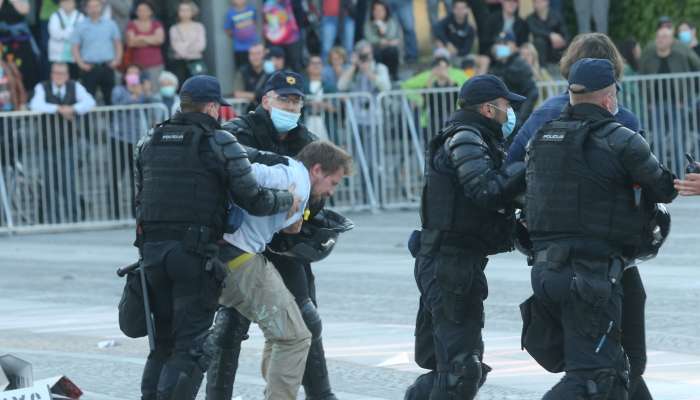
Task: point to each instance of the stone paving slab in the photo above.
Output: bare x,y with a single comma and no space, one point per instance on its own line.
59,293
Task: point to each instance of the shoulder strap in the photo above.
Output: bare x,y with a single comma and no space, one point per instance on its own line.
60,19
609,128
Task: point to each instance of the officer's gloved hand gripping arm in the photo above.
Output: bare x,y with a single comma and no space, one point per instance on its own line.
643,167
488,186
244,188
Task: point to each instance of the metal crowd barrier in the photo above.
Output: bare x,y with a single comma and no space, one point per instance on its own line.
667,107
58,173
66,174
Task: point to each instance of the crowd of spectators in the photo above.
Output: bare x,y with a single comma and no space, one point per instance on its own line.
98,39
63,57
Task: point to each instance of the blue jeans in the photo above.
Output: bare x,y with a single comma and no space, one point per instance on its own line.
403,11
433,10
329,32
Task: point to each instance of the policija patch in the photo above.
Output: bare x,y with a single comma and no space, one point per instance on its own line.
553,137
171,138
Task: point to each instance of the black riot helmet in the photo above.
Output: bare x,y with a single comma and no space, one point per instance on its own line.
316,239
655,233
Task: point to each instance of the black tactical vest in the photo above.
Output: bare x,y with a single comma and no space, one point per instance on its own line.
69,96
445,208
566,198
178,188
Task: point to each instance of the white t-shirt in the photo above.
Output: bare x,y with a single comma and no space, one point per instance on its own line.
256,232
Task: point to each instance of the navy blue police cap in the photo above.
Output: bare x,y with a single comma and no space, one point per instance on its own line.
203,89
285,83
592,74
484,88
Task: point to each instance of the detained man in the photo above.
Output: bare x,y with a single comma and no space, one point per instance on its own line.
254,287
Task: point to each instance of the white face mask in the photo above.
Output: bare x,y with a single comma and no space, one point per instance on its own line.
284,121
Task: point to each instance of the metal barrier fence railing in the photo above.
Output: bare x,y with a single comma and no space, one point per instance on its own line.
55,172
62,173
667,107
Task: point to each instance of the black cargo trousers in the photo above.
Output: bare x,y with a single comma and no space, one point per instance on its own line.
450,319
184,291
584,294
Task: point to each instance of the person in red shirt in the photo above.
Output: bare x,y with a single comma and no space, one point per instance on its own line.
144,38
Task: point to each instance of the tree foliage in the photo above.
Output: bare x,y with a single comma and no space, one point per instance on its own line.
638,18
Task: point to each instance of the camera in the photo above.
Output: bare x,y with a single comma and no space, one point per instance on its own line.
364,57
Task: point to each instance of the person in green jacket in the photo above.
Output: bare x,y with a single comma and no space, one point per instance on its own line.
436,105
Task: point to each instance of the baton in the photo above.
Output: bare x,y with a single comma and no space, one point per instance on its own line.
150,329
121,272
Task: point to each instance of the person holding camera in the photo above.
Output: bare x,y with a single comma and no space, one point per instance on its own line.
365,74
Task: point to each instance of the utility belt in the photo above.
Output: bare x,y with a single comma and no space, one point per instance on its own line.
585,275
597,255
196,238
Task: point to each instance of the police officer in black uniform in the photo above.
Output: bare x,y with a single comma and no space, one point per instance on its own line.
188,171
591,187
274,126
467,213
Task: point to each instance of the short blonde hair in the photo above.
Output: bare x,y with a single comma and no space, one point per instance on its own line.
339,51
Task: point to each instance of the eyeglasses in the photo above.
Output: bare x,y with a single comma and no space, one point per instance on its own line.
290,100
497,107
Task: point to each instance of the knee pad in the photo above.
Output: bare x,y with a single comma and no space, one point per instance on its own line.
311,318
461,380
230,328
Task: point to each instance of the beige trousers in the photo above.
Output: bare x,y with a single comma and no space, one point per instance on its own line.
254,288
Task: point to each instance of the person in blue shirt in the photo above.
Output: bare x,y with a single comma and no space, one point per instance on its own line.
598,45
240,25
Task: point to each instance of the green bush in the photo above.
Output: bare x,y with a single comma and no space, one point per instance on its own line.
638,18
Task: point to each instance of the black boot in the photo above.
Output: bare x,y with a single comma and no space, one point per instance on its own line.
224,347
316,383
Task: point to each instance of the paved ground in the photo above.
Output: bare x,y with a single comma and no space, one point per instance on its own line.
59,295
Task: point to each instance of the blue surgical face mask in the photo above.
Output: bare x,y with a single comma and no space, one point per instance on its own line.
685,37
268,67
616,110
284,121
502,51
167,91
508,126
